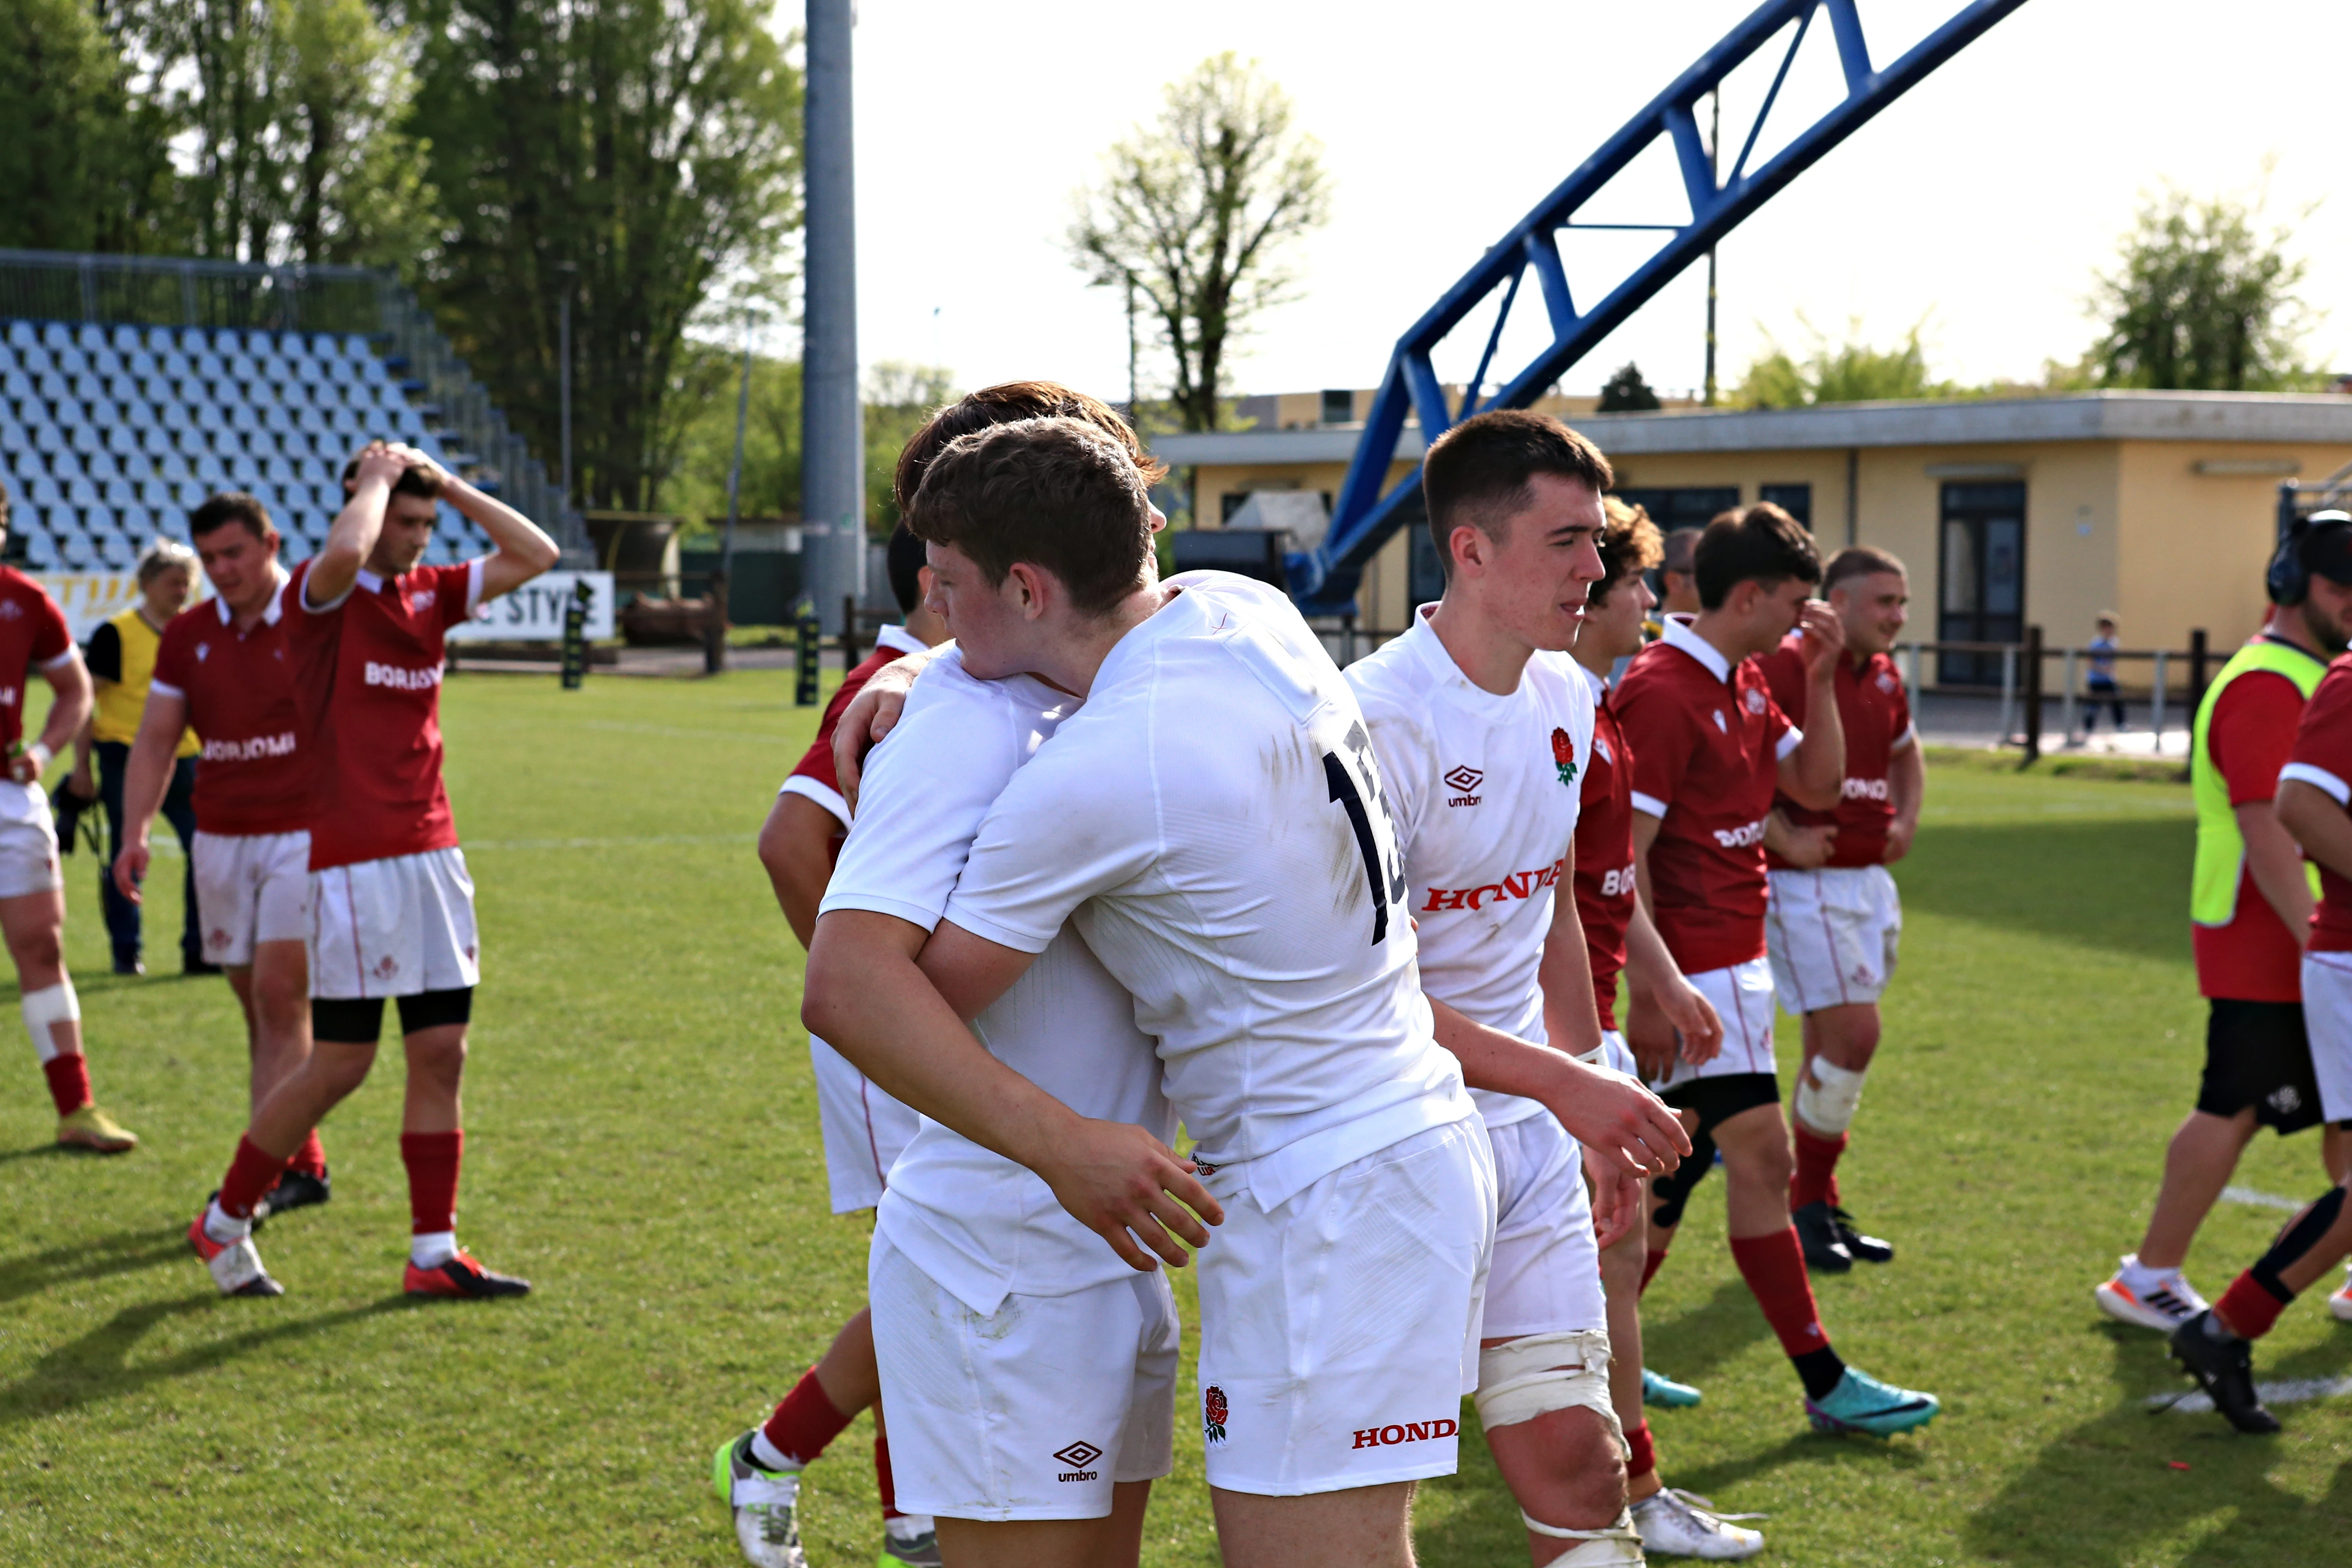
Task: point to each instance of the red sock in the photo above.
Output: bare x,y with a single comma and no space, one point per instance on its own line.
310,1159
1641,1454
804,1421
1817,1158
1774,1268
1651,1261
68,1077
432,1161
882,1486
250,1176
2247,1308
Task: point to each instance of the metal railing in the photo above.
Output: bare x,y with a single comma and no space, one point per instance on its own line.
2024,693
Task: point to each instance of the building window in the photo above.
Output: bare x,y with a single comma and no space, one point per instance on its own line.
1797,500
1689,507
1339,405
1425,574
1981,597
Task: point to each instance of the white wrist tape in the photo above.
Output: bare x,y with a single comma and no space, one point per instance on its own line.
1828,1096
1536,1375
39,755
55,1004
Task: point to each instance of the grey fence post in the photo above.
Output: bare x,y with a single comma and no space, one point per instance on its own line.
2007,692
2069,711
2156,704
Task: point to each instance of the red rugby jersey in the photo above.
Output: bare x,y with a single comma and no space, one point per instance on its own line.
33,635
2254,957
1604,852
253,770
1876,713
367,684
1707,740
2323,758
815,777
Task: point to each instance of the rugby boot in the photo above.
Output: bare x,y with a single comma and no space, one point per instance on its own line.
1674,1523
1665,1393
2224,1368
461,1276
2163,1306
295,1190
1817,1233
1860,1247
235,1267
92,1128
765,1503
919,1549
2339,1306
1860,1403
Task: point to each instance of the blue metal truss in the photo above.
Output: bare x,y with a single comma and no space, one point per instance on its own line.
1325,580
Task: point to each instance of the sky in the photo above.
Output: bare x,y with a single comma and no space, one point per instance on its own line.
1980,206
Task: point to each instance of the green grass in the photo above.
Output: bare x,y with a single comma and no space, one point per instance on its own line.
645,1147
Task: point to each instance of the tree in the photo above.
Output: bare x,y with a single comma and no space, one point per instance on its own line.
1626,392
1198,213
899,397
653,144
82,155
2202,302
1851,371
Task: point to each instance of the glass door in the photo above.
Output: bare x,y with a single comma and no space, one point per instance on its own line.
1982,596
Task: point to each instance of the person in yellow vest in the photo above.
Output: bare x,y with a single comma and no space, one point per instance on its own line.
120,654
2250,903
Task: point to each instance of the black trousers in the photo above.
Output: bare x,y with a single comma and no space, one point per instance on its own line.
123,927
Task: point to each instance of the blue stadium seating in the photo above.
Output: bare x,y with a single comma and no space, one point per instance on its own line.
112,434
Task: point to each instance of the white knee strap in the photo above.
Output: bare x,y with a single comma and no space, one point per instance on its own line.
55,1005
1535,1374
1828,1095
1618,1546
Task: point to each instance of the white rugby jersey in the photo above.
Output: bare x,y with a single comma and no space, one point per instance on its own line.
973,1220
1486,791
1215,821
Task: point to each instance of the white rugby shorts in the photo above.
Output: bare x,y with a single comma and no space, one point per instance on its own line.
1033,1411
864,1129
2327,1020
1545,1276
28,842
1340,1332
250,888
396,927
1742,997
1833,934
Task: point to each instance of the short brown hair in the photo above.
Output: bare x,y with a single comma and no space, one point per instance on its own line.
1760,543
1682,546
415,480
218,511
1859,561
1062,494
1479,473
1002,405
1629,544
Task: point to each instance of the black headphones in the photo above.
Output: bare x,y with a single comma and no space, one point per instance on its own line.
2289,579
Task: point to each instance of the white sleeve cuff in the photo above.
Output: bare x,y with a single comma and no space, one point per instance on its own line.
1909,737
72,653
1649,804
825,795
310,609
988,930
1789,743
474,586
2334,788
166,689
876,904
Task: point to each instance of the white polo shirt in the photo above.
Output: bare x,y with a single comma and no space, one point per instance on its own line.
973,1221
1486,789
1214,821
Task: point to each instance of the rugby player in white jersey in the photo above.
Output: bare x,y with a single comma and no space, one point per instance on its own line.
1213,819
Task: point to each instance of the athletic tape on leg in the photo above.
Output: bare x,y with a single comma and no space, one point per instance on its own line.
1828,1095
1618,1546
54,1004
1536,1375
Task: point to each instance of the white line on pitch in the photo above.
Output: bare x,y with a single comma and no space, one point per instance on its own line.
2293,1391
2262,1200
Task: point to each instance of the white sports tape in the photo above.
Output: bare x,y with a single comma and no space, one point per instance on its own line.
1828,1095
1618,1546
55,1004
1536,1375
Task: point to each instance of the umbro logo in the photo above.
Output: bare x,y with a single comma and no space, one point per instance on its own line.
1463,780
1078,1456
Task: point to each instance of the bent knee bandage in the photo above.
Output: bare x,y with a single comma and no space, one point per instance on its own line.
1618,1546
1827,1096
54,1004
1536,1375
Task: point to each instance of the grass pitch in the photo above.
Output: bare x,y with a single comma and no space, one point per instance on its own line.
643,1146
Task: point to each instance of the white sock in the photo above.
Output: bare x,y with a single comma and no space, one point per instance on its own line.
221,1227
432,1248
2140,1278
909,1526
771,1458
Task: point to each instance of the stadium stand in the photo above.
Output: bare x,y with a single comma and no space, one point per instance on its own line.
109,434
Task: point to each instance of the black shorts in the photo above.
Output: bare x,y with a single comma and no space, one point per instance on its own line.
2258,1058
1715,1101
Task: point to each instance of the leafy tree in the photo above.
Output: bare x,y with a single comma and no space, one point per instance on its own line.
82,155
899,397
652,146
1626,392
1850,372
1197,213
2202,301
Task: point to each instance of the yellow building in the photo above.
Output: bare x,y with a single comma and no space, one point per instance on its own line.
2159,506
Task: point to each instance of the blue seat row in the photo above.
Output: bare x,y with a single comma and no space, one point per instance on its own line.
89,337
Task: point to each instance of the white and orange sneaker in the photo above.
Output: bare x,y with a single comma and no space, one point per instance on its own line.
2148,1298
235,1267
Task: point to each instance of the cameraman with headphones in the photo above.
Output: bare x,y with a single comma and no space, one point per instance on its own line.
2251,901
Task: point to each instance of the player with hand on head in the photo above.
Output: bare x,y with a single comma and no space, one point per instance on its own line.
1710,747
2250,903
1620,937
223,670
392,906
1835,917
33,635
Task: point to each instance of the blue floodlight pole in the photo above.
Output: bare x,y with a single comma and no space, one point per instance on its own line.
1367,512
832,429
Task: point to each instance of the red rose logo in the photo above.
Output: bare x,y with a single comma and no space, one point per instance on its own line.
1213,1413
1563,755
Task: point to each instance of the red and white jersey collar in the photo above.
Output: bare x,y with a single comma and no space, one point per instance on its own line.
279,577
1679,634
